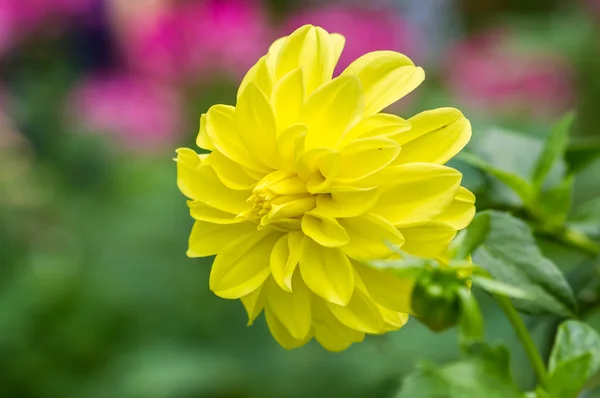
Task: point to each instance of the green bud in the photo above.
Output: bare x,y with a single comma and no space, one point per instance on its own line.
435,299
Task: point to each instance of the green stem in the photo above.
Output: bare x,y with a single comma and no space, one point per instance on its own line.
530,349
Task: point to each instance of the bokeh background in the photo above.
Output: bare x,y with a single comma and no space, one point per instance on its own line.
97,297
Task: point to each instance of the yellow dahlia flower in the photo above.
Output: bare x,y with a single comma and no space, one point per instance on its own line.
307,180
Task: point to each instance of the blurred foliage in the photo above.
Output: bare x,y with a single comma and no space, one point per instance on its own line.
97,298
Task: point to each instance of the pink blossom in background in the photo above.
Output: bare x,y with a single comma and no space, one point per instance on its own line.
488,72
19,18
195,40
365,29
138,113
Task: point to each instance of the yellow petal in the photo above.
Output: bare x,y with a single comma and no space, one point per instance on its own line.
377,125
369,237
311,49
339,42
385,288
200,182
460,213
417,192
364,157
253,303
332,110
285,207
329,332
287,99
243,265
203,140
208,239
284,259
281,334
202,212
289,144
222,130
360,314
260,75
435,137
318,167
324,230
386,76
327,272
427,239
273,54
291,309
256,124
392,320
346,203
229,172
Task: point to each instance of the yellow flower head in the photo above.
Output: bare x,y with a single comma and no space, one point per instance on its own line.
307,180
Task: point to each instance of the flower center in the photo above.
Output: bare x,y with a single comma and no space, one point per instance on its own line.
279,199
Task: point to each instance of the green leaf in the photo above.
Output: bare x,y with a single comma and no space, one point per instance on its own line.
555,203
575,338
493,286
471,320
474,236
521,187
581,153
483,373
587,218
509,253
569,377
554,149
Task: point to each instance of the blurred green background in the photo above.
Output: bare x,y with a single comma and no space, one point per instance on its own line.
97,297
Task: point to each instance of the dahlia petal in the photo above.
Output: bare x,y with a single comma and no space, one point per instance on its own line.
289,143
377,125
392,320
231,174
339,42
222,130
329,331
253,303
341,97
260,75
386,76
361,314
386,289
323,162
284,259
208,239
435,137
291,309
326,231
256,124
428,239
460,213
346,203
203,212
203,140
273,54
311,49
292,208
288,98
370,235
326,271
281,334
417,192
199,182
364,157
242,265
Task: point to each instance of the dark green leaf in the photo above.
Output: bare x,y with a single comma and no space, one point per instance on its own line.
554,149
513,181
474,236
581,153
587,218
575,338
483,373
555,203
569,377
496,287
509,253
471,320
